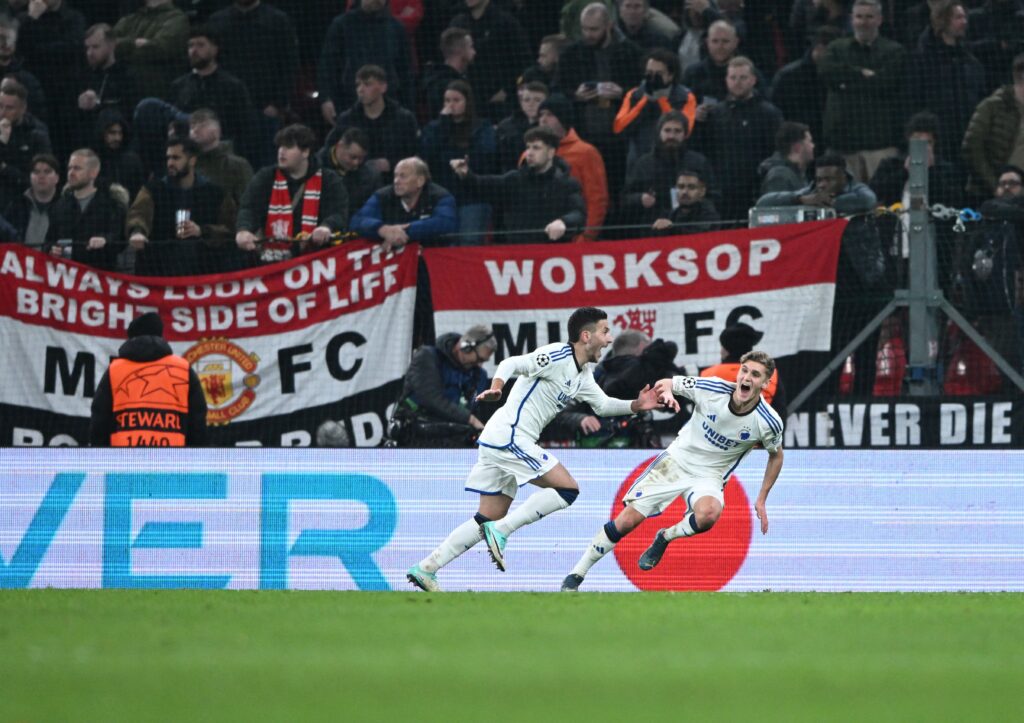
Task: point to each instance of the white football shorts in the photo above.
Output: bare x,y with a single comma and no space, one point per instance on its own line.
504,471
664,480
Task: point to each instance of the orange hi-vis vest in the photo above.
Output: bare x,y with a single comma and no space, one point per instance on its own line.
729,371
150,402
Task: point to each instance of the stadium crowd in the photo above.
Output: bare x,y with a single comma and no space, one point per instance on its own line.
184,137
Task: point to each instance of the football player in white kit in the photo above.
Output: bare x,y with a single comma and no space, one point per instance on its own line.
549,378
728,420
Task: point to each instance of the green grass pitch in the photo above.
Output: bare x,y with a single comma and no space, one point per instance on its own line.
298,656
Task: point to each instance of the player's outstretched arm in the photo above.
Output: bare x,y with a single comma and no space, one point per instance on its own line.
771,473
494,393
647,399
663,391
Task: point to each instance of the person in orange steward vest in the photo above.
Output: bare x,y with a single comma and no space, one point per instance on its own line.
149,397
737,340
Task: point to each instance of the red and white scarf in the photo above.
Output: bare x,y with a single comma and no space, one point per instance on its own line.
279,214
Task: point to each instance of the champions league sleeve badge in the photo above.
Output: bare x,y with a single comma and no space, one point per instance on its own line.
542,359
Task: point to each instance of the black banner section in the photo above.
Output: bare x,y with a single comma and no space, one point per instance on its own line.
909,423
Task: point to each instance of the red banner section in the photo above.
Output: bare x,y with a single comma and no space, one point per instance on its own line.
286,296
637,271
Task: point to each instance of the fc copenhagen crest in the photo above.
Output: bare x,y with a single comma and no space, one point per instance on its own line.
228,375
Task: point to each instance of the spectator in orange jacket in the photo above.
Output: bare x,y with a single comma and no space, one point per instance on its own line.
585,162
737,340
659,93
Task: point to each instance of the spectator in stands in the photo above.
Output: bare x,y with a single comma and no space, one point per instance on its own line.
457,133
797,90
411,209
119,164
540,201
22,137
347,158
736,134
392,130
636,26
256,37
545,70
706,79
365,35
297,196
996,37
152,42
12,66
106,82
944,181
864,76
807,17
694,212
216,161
210,86
91,219
51,39
29,213
944,77
643,106
992,137
510,131
442,383
597,70
736,340
457,50
833,186
786,169
584,160
183,403
502,52
180,224
651,180
696,19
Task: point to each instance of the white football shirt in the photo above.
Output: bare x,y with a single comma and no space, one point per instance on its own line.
715,439
550,379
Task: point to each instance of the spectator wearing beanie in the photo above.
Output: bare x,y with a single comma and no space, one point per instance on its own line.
584,160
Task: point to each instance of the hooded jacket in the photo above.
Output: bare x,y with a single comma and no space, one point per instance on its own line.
780,174
147,349
856,197
123,167
441,387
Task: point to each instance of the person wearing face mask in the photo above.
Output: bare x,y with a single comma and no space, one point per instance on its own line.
644,105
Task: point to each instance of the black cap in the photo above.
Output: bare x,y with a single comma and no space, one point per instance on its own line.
561,108
738,339
149,324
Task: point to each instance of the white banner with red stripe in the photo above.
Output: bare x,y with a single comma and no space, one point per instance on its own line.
686,289
310,332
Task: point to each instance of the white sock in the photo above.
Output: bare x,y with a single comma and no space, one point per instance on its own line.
538,505
462,538
599,547
687,527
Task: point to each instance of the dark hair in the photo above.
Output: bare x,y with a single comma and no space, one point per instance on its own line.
188,145
452,39
372,72
357,136
558,40
693,172
1018,68
941,15
204,31
535,86
11,86
1008,168
923,122
543,134
203,115
462,133
826,34
674,115
108,32
47,158
295,135
582,318
789,132
667,58
831,160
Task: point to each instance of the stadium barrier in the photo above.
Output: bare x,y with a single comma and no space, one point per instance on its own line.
276,519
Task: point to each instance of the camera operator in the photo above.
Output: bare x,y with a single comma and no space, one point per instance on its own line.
436,407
